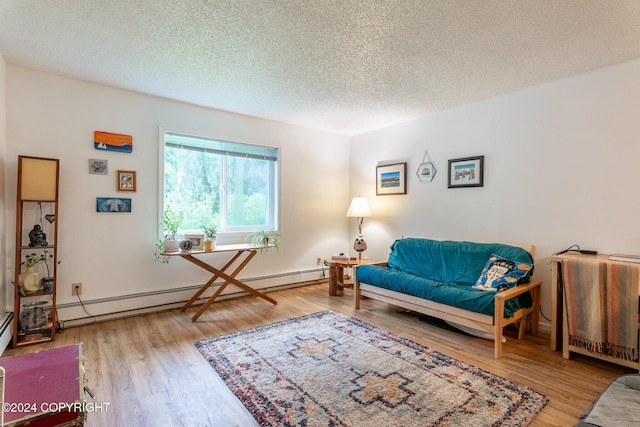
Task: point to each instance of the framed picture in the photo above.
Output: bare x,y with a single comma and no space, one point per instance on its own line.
113,204
108,141
466,172
126,180
98,166
391,179
196,239
426,171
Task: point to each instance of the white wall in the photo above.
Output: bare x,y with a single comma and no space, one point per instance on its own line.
561,168
53,116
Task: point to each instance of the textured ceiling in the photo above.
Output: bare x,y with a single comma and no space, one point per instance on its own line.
346,66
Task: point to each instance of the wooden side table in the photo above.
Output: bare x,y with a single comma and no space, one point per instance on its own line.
336,271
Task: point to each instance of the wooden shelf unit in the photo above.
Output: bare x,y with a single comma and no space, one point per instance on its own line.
36,199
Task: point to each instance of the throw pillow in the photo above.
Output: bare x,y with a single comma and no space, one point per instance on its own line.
499,274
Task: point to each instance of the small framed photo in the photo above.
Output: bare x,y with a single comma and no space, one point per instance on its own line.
196,239
391,179
126,180
98,166
466,172
426,171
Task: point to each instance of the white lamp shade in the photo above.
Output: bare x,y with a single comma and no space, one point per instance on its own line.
359,208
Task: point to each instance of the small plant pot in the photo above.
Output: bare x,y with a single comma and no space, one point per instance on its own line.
209,245
172,245
47,284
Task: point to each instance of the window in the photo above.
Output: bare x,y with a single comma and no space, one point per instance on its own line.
229,184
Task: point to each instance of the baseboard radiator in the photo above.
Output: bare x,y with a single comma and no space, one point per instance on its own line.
90,311
6,331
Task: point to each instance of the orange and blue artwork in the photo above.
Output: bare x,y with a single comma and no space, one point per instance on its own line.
112,142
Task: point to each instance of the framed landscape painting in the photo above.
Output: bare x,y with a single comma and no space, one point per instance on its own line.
391,179
466,172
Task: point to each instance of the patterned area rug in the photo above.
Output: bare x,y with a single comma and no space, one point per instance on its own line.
328,369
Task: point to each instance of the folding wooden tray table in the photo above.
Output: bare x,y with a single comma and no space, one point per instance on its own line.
249,251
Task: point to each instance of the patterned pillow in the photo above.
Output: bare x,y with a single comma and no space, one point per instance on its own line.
499,274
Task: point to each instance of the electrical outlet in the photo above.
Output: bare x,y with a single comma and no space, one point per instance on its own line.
76,289
318,261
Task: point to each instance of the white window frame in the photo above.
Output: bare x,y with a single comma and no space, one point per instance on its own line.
223,227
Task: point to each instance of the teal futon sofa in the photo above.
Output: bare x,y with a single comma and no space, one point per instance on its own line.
482,286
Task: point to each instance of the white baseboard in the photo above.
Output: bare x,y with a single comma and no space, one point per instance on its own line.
74,314
544,327
6,331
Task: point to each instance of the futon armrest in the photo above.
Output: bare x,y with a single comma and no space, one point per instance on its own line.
518,290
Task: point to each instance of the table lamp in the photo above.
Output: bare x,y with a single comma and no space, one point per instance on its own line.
359,209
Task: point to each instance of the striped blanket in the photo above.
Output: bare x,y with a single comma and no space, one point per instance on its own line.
602,307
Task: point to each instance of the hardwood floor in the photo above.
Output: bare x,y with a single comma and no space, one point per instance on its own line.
149,372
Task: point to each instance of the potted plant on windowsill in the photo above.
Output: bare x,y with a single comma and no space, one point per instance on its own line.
171,224
210,237
264,240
